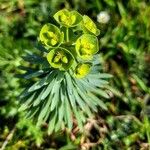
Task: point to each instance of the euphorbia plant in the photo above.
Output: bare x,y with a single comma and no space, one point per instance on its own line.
67,78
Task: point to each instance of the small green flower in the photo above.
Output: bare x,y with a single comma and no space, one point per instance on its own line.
68,18
86,46
51,36
89,26
60,58
82,70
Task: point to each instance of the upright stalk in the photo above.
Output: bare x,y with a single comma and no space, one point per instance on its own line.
67,34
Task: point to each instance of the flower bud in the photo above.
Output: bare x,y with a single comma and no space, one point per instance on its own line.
89,26
82,70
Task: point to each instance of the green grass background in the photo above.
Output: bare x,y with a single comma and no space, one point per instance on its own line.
125,49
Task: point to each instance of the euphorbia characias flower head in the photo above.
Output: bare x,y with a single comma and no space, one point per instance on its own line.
68,18
60,58
50,35
55,38
82,70
86,46
89,26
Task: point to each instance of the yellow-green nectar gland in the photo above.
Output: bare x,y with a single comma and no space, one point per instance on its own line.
56,59
53,38
64,59
68,19
87,48
83,69
60,57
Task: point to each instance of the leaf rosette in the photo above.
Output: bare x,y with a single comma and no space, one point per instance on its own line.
86,46
60,58
68,18
89,26
51,36
82,70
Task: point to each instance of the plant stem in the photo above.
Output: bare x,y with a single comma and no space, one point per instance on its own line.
148,136
67,34
8,138
98,4
147,129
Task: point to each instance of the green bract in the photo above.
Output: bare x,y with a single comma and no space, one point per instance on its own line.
87,46
89,26
51,36
68,18
82,70
60,58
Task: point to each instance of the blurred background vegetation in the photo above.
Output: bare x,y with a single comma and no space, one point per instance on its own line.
125,50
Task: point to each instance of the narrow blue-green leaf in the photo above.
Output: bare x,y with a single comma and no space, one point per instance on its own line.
94,89
38,99
114,90
101,93
52,121
50,98
26,104
40,83
100,75
32,112
97,100
24,94
60,116
48,90
62,93
32,58
56,97
87,100
68,114
72,100
97,82
45,109
33,74
82,105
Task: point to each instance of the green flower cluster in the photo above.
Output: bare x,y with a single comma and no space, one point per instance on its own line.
66,49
